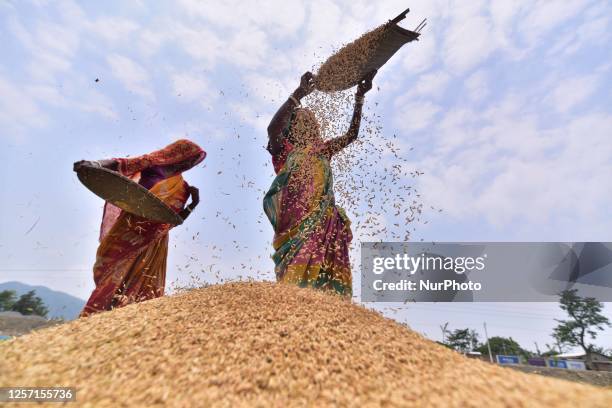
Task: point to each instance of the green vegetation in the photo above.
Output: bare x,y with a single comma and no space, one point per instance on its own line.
462,340
584,323
504,346
7,300
26,304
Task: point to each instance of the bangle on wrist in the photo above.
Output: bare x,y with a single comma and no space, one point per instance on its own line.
359,98
295,101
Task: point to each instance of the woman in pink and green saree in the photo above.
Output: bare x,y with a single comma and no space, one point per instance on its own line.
131,258
311,233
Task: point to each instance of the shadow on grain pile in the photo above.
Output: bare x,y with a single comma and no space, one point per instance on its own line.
263,343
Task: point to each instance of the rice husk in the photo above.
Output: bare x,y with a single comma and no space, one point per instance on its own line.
264,344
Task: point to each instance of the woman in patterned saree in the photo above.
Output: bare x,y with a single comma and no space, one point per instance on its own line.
311,234
131,259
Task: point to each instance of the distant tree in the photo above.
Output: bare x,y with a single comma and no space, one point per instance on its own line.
550,351
462,340
584,322
30,304
7,300
504,345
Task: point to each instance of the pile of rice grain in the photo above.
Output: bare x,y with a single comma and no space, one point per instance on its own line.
264,344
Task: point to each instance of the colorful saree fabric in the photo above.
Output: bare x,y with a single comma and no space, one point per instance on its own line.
131,259
312,234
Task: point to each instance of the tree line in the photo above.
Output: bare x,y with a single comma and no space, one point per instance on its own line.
585,321
26,304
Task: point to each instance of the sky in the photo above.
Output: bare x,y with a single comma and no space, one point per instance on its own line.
502,105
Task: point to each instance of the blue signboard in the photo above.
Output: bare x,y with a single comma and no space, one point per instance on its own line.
557,363
536,361
507,359
576,365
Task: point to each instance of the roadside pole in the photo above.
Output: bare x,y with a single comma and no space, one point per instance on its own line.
488,344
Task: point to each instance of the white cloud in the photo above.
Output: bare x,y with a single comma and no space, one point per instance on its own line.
49,56
56,38
501,165
248,48
413,116
270,90
94,101
73,98
191,87
544,15
573,91
248,27
251,116
47,94
113,29
468,42
131,74
281,18
432,84
476,86
593,31
45,67
422,55
504,15
18,111
70,11
454,129
149,42
200,43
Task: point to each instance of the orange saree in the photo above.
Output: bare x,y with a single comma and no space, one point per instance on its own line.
131,259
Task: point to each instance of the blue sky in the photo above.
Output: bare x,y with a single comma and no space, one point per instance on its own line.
503,105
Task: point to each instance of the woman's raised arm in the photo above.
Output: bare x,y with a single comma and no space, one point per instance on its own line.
337,144
281,119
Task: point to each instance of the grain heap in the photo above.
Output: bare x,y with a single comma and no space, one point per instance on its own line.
262,344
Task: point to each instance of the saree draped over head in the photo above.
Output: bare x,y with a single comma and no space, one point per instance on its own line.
311,234
131,259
